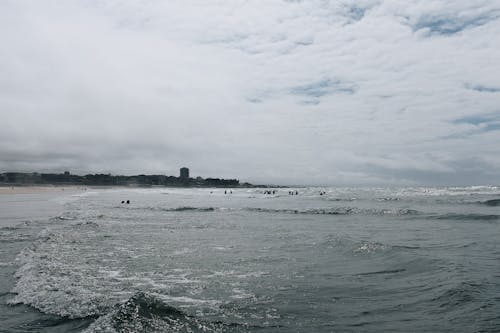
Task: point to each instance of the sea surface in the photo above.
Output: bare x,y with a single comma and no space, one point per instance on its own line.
198,260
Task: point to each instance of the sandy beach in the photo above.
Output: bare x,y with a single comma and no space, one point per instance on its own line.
21,203
39,189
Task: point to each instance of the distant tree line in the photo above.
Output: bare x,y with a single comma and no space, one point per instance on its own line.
66,178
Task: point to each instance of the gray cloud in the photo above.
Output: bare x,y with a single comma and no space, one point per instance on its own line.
481,88
322,88
302,92
445,25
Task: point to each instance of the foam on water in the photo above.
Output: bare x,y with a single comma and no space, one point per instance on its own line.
67,272
192,261
148,313
46,281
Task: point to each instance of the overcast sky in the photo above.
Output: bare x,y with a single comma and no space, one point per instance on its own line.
277,91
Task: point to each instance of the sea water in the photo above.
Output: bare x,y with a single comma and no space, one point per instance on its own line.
199,260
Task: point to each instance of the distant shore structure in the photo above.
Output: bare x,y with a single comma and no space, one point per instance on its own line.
101,179
184,173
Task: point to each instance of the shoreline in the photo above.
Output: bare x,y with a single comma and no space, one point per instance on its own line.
33,189
6,189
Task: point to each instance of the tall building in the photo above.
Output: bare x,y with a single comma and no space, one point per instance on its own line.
184,173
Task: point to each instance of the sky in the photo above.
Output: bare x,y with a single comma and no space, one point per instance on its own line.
366,92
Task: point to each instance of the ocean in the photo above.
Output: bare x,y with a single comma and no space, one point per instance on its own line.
419,259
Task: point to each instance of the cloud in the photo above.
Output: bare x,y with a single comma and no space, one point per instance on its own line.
446,25
479,119
322,88
442,18
481,88
477,124
303,92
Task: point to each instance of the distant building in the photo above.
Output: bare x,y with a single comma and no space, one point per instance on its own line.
184,173
20,177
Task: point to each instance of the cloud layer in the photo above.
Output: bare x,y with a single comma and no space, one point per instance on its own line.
302,92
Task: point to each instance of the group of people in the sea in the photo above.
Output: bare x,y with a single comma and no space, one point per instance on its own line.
267,192
270,192
225,192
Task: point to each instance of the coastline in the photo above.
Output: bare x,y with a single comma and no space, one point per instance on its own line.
34,189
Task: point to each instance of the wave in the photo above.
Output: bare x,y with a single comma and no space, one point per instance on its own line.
358,248
311,211
338,211
464,292
144,312
389,271
178,209
10,228
45,280
63,218
340,199
464,217
188,208
346,210
331,211
388,199
492,202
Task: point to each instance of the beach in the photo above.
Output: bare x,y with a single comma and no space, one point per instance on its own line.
4,190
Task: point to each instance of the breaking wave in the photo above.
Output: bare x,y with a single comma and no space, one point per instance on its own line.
145,312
